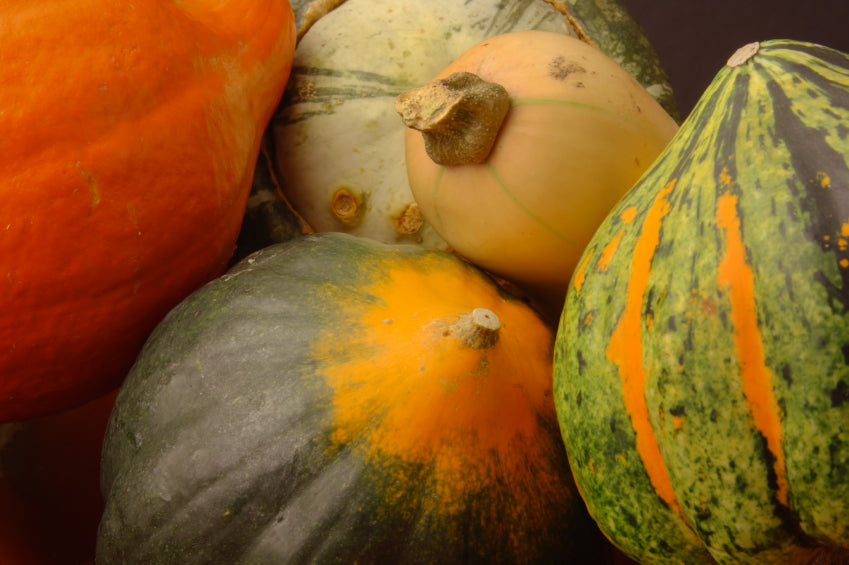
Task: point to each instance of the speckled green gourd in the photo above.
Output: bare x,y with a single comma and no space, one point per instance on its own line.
702,359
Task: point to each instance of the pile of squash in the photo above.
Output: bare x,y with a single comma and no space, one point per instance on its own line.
367,281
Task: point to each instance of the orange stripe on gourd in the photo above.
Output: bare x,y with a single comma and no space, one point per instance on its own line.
609,250
736,277
626,350
580,272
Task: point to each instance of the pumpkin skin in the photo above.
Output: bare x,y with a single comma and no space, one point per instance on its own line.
578,134
338,144
130,136
701,360
313,405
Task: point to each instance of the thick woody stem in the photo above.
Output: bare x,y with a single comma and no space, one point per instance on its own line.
478,329
459,117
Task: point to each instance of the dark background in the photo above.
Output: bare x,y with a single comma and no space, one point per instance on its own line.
694,38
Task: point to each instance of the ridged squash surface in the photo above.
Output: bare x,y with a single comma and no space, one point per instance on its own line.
702,359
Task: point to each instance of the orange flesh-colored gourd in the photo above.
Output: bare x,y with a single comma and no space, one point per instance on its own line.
407,388
579,133
130,133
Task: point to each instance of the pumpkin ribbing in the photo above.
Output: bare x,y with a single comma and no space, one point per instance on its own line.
130,135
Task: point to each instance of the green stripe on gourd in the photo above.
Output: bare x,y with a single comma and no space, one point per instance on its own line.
702,359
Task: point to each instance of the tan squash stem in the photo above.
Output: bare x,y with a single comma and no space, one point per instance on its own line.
744,54
459,117
478,329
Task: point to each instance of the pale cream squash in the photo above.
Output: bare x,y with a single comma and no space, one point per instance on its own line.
338,145
579,132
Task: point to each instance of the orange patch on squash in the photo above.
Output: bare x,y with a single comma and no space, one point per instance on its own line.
580,273
406,388
629,214
608,251
626,349
736,277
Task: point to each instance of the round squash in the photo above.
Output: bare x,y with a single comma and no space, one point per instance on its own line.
702,359
131,131
517,151
334,399
338,146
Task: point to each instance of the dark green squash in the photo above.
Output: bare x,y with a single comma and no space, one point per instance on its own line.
324,402
702,359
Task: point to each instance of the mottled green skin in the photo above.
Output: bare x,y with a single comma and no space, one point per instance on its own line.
219,448
770,132
615,32
606,22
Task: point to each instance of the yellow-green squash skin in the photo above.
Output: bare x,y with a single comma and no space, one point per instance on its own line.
702,360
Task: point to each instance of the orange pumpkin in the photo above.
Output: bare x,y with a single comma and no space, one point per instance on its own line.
130,134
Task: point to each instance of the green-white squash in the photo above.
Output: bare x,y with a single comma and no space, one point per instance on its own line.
338,142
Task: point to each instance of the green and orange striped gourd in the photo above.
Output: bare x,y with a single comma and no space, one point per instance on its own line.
702,359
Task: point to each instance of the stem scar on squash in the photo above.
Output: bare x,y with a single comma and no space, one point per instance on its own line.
348,205
410,220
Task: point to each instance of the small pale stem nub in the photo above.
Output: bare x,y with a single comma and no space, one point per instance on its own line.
744,54
478,329
459,117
